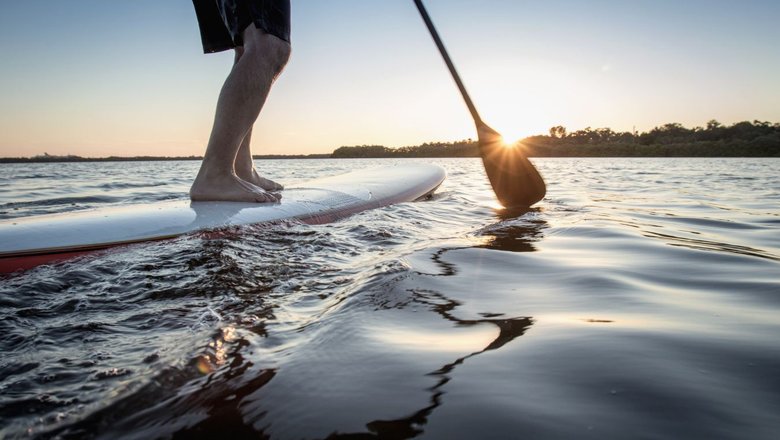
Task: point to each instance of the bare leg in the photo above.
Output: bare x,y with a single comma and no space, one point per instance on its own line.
245,168
240,101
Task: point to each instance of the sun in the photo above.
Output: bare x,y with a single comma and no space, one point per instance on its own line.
512,140
511,133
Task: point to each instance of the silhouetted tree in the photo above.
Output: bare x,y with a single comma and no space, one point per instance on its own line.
558,131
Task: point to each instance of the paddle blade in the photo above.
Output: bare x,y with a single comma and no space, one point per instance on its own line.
513,177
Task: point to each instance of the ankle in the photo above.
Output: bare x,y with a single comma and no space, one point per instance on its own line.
215,169
244,171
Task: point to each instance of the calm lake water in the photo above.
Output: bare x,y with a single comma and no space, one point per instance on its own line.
640,299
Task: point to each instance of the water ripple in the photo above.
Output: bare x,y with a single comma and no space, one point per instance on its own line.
639,299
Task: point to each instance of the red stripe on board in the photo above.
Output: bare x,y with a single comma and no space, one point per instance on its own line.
13,264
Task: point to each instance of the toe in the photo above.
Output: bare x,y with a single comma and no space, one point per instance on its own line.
267,198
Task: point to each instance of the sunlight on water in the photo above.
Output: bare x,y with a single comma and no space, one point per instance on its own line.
460,341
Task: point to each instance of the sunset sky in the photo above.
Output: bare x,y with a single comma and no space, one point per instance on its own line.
100,78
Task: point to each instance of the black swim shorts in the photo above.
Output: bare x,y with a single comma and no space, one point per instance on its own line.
222,21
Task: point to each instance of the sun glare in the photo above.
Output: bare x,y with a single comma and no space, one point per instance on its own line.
512,140
511,137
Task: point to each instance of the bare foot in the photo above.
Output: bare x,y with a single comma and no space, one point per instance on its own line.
256,179
228,188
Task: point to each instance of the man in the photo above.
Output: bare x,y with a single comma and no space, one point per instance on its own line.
259,32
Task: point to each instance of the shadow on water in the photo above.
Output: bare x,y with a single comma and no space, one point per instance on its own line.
513,234
517,231
412,426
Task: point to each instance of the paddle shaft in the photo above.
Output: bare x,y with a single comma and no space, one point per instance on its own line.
427,19
515,180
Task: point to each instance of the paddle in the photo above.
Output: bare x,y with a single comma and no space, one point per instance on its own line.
513,177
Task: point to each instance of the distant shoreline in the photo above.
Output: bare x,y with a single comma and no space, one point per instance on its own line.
17,160
621,151
743,139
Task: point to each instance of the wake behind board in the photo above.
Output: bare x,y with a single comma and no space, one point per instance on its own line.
31,241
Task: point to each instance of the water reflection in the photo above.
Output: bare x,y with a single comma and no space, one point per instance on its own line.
513,234
413,425
518,230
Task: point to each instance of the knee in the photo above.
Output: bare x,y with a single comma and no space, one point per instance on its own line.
267,49
279,54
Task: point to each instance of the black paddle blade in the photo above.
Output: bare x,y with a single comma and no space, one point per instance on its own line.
513,177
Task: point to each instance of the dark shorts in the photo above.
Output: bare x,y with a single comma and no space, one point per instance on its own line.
222,21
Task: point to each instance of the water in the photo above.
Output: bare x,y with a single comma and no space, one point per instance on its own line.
640,299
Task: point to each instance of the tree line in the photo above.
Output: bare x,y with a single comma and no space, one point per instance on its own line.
742,139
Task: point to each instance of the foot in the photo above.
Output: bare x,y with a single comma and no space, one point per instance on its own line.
229,188
256,179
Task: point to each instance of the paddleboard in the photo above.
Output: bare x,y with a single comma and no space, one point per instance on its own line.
31,241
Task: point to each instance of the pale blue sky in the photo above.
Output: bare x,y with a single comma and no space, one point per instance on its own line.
97,78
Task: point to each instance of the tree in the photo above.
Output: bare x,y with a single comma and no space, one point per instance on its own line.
558,132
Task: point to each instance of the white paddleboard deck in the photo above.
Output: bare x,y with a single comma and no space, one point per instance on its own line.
30,241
